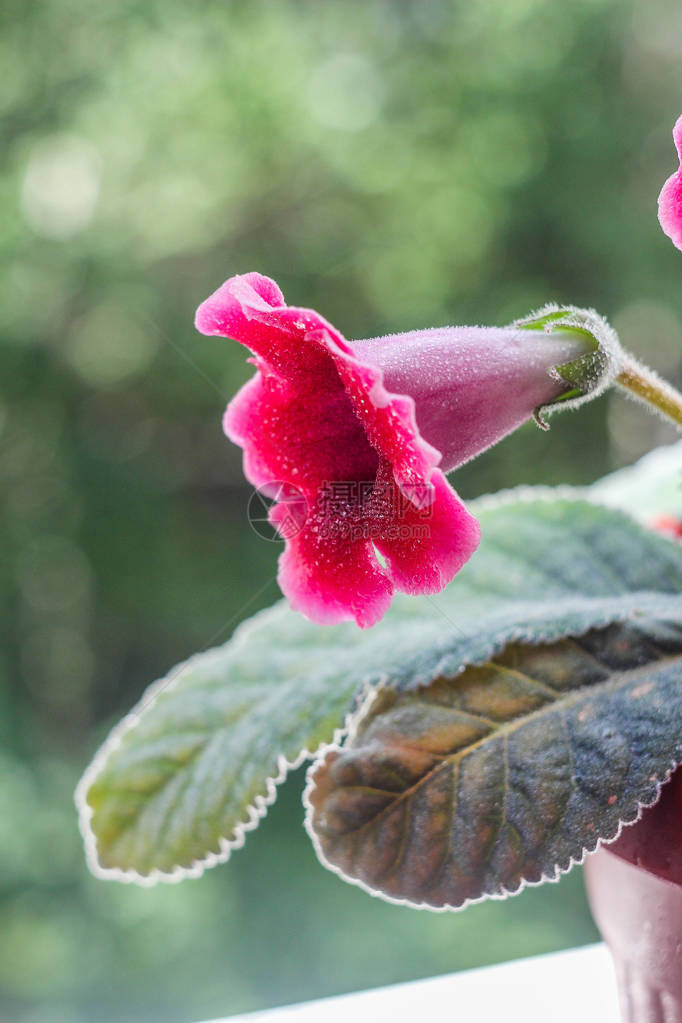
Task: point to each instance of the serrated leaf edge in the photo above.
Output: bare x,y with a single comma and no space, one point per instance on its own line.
255,812
559,871
259,808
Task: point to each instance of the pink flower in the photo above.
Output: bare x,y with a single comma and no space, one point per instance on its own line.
670,199
363,433
668,524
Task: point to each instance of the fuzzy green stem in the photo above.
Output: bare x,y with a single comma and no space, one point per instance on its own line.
642,383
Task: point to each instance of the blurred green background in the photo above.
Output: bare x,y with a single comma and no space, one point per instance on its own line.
396,165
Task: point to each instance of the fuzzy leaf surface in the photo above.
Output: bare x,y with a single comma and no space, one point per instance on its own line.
507,773
195,764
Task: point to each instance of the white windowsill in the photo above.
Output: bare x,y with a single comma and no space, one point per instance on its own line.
577,986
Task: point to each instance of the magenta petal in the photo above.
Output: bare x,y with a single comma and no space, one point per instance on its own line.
226,311
391,426
243,419
670,208
425,548
298,438
292,342
332,579
670,199
677,136
301,347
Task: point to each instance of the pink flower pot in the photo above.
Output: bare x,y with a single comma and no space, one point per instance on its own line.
634,887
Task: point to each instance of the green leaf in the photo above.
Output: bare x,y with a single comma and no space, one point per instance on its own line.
505,774
194,766
649,489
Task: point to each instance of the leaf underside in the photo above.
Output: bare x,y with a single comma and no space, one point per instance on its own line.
506,774
195,764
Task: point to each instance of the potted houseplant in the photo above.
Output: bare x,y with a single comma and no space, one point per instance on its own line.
487,693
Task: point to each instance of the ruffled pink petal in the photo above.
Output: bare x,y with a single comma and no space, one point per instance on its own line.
317,413
304,349
242,420
425,548
391,426
333,578
670,199
305,443
227,312
251,309
677,136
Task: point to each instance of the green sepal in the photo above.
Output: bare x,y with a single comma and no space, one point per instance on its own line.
590,374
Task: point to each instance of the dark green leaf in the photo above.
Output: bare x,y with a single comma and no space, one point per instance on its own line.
506,773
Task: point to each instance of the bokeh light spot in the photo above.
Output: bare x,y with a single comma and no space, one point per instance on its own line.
345,91
61,186
53,574
58,664
109,345
507,148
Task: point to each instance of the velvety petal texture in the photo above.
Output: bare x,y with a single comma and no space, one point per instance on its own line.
361,433
670,199
319,418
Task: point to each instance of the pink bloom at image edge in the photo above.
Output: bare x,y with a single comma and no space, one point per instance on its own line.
358,431
670,199
669,525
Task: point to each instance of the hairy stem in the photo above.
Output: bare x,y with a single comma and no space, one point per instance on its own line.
642,383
